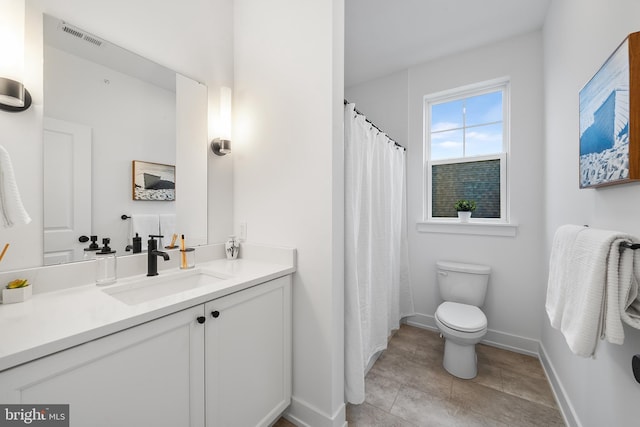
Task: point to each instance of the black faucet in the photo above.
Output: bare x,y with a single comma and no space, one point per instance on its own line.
154,253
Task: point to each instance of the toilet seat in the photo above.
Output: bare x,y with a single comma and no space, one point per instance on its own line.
461,317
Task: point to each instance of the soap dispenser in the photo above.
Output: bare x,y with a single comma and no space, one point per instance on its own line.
92,249
137,244
106,264
232,247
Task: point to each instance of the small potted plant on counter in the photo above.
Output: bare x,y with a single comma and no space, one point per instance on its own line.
464,208
16,291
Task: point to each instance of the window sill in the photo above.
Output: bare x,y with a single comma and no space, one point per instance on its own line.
474,228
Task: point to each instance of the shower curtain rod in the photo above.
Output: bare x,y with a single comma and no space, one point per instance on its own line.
372,124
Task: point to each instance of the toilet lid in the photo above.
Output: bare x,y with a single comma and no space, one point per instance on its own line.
461,317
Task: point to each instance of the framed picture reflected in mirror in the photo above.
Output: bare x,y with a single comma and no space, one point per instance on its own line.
153,181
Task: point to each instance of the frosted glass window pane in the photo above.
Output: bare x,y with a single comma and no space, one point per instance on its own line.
479,181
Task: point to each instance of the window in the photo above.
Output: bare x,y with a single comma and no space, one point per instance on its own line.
466,143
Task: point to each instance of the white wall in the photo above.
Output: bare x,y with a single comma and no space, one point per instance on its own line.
177,36
515,292
287,144
579,35
385,101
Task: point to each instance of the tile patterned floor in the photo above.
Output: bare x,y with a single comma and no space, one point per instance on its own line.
408,387
283,423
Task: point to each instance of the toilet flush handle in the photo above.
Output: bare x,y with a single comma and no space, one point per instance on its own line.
443,273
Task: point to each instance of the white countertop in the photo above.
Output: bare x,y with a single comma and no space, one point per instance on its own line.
53,321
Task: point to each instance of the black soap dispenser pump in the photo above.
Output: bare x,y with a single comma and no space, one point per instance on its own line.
92,249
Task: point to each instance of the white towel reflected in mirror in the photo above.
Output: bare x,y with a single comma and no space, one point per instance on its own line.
12,211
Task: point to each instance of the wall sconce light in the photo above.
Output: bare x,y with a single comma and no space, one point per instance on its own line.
222,145
13,95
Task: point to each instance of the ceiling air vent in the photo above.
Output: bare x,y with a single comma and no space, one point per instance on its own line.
80,34
67,29
93,40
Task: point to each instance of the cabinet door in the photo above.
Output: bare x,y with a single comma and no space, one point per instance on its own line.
149,375
248,356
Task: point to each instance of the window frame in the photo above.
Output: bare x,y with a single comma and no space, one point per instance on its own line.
502,84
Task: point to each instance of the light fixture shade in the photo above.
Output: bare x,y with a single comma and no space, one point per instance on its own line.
220,146
12,39
225,113
13,96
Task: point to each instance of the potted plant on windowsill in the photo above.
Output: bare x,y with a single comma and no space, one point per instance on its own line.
464,208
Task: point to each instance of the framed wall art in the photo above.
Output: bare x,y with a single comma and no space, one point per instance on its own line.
153,181
610,119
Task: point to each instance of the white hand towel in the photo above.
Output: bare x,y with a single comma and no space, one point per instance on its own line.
561,251
167,228
582,293
145,225
629,297
619,270
12,211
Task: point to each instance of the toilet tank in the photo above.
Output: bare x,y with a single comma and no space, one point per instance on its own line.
463,283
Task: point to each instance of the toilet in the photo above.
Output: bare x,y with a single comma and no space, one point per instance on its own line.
463,288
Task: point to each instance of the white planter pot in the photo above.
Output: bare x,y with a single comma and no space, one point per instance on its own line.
464,216
10,296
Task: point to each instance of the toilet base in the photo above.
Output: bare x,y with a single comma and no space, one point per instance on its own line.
460,360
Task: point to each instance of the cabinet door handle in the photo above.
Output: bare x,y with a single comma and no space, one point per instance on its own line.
201,319
215,314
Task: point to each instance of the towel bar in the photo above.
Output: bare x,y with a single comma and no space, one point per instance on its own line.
628,245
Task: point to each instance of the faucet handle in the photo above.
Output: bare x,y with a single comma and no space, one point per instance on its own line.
152,240
152,243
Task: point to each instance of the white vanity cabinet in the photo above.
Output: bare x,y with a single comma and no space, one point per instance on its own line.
160,373
149,375
248,356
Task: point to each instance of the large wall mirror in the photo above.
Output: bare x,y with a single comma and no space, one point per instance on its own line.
105,107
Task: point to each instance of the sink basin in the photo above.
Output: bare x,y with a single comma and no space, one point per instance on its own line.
151,288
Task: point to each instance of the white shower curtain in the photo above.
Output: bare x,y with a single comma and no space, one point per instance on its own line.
377,288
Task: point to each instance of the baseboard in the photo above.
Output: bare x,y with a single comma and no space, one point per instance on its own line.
566,408
493,338
512,342
421,321
303,414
